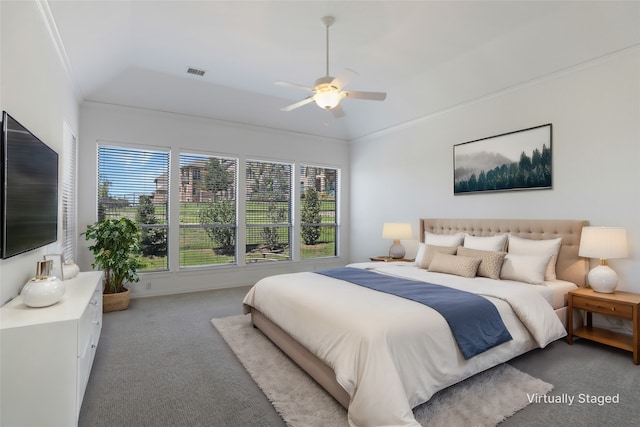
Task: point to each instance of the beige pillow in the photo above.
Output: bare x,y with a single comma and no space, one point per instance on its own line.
525,268
550,247
496,243
452,264
431,250
491,263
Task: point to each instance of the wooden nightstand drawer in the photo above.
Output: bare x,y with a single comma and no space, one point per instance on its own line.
610,308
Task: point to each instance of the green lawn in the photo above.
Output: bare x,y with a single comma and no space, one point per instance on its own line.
196,248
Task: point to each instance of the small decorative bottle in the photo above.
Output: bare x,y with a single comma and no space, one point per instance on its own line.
43,290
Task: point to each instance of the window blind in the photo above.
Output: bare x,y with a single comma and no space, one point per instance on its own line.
69,222
318,211
208,219
134,183
268,211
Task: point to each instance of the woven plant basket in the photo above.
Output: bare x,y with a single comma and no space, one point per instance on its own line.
115,302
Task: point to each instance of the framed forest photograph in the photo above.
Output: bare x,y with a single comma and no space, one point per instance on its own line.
519,160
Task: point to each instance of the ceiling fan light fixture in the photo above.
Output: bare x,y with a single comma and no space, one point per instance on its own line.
327,98
327,90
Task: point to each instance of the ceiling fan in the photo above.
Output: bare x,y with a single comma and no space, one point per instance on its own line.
327,91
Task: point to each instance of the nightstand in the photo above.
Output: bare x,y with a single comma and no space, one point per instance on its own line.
621,305
389,259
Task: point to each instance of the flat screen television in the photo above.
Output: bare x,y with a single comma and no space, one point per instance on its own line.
29,202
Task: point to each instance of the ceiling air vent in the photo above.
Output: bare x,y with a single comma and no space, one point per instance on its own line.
195,71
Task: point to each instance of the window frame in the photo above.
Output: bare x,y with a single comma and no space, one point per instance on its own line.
243,224
150,151
273,254
336,212
181,226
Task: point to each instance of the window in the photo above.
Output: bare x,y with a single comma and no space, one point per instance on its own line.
208,220
69,226
318,212
268,211
136,182
133,183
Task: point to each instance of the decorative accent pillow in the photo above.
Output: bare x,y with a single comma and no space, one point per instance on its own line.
421,249
525,268
491,263
431,250
551,247
452,264
495,243
443,239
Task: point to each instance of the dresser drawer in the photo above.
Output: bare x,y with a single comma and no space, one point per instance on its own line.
90,320
611,308
85,362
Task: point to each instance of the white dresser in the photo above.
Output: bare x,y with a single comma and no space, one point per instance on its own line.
46,355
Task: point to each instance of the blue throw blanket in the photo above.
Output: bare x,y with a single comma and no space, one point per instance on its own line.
474,320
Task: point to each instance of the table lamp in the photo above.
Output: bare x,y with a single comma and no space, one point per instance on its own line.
396,231
603,243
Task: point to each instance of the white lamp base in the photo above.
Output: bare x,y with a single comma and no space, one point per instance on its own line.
396,251
603,279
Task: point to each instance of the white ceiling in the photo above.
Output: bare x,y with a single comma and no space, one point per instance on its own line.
428,56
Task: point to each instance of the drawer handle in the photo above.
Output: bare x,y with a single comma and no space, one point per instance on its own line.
96,322
600,306
94,302
93,346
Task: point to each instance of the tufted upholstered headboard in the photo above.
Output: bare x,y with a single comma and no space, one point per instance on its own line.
570,266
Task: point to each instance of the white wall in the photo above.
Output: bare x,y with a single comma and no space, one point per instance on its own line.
106,123
407,173
36,91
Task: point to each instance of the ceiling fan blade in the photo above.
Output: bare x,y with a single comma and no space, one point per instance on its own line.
337,111
375,96
295,85
298,104
343,78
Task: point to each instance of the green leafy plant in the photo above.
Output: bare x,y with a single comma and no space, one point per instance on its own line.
220,211
116,242
310,211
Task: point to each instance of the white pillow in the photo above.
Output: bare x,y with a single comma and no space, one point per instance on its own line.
420,254
550,247
443,239
495,243
525,268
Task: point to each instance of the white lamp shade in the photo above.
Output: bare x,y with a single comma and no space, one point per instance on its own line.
327,99
397,231
603,242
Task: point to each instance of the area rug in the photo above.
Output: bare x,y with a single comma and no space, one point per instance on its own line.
483,400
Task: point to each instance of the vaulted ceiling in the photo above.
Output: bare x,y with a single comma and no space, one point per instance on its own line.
428,56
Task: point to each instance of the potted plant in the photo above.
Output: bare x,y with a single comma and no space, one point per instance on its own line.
116,242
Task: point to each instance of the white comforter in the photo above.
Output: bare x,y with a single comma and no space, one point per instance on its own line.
392,354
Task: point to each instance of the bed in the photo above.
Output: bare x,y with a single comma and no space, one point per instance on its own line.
366,347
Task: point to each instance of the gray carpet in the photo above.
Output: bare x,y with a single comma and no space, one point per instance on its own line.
162,363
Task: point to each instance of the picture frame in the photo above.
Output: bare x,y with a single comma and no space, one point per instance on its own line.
518,160
57,269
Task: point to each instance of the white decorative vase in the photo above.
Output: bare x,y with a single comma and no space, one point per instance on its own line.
42,291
